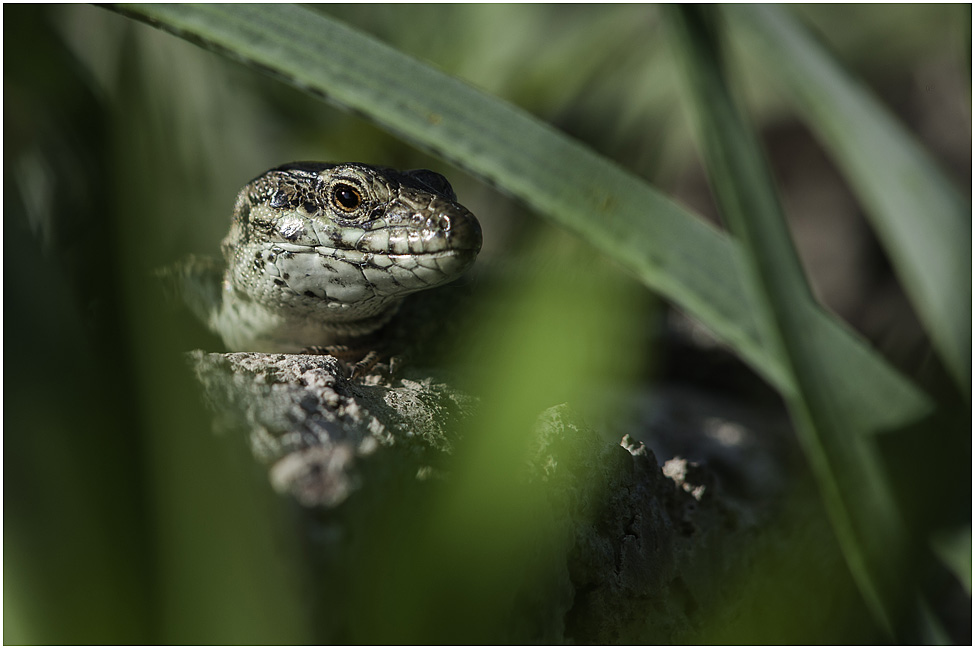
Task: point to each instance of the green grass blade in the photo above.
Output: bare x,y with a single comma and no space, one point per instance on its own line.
668,248
845,464
954,548
923,221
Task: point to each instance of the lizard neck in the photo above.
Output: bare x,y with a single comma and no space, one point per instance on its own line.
246,324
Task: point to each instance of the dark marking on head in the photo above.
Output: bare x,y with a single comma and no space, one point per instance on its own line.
279,282
431,181
280,199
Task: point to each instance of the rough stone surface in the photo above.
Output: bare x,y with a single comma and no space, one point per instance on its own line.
314,426
642,545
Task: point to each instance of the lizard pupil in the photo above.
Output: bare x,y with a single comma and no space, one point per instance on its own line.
346,197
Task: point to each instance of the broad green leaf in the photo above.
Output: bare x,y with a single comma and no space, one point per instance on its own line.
924,222
846,465
671,250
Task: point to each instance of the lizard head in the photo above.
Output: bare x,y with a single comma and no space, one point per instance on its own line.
347,238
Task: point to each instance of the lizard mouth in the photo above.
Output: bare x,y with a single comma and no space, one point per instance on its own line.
436,229
431,232
343,274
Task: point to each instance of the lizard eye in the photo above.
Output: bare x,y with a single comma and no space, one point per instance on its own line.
346,197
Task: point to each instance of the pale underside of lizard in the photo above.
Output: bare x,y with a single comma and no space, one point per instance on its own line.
321,255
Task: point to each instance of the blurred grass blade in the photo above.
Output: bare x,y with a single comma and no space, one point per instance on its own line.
492,535
845,464
666,247
924,222
954,548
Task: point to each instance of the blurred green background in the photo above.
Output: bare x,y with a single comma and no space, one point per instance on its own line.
127,520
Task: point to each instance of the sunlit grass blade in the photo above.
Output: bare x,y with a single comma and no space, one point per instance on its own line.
666,247
846,466
922,219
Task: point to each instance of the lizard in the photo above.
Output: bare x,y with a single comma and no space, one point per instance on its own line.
320,256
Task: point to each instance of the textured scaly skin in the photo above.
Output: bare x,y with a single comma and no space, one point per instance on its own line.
321,255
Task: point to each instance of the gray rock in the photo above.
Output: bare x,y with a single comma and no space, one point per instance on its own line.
627,551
